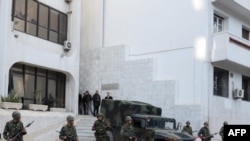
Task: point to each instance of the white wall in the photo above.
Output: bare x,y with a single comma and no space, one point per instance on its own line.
91,24
153,26
244,3
42,53
3,30
162,31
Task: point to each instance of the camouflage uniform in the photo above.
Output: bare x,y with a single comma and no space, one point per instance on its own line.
12,128
204,132
187,129
222,130
100,130
126,132
70,132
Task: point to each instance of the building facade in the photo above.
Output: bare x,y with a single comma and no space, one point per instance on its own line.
189,58
33,57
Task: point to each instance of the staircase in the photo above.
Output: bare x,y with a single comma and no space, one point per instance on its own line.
84,126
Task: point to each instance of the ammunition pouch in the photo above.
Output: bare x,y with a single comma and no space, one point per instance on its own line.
100,134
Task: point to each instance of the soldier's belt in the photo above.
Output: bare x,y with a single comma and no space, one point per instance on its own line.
101,134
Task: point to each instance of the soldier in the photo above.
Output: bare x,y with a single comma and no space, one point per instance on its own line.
100,128
13,127
127,130
222,130
188,128
204,133
68,131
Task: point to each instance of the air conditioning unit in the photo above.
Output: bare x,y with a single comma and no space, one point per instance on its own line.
68,1
238,93
67,45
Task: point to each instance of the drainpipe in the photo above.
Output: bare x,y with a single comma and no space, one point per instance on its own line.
103,22
102,46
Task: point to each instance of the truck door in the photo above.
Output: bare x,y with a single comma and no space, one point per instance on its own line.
141,130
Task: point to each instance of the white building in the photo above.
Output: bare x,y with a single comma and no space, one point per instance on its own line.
186,56
32,55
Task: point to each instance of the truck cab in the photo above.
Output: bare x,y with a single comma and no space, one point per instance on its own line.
160,128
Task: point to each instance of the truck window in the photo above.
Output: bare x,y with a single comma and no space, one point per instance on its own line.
169,125
137,123
160,123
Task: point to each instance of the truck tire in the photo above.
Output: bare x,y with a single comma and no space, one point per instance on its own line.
110,136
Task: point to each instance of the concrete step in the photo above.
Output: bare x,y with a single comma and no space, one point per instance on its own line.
83,126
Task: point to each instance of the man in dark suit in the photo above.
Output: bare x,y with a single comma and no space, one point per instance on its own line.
88,99
108,96
96,102
80,104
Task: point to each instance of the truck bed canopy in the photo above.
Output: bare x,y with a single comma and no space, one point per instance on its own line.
115,111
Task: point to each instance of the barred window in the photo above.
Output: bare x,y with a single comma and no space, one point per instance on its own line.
221,82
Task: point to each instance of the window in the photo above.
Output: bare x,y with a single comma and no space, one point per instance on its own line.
218,23
137,122
245,34
39,20
246,87
25,80
221,82
31,25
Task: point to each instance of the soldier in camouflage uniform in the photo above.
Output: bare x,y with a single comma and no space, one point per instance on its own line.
13,127
127,130
187,128
100,128
204,133
68,131
222,130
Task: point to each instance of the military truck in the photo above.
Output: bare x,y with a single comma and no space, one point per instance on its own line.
147,121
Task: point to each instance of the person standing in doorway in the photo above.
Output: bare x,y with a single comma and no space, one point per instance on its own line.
96,102
84,103
88,103
80,104
108,96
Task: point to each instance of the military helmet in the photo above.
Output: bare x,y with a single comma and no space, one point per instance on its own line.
188,122
100,115
70,118
128,118
225,123
16,114
206,123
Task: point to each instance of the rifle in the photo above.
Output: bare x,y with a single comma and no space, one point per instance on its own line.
209,137
71,138
19,133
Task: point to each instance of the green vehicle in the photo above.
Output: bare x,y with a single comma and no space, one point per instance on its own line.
147,121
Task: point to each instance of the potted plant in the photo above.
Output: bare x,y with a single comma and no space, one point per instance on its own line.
12,101
38,106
